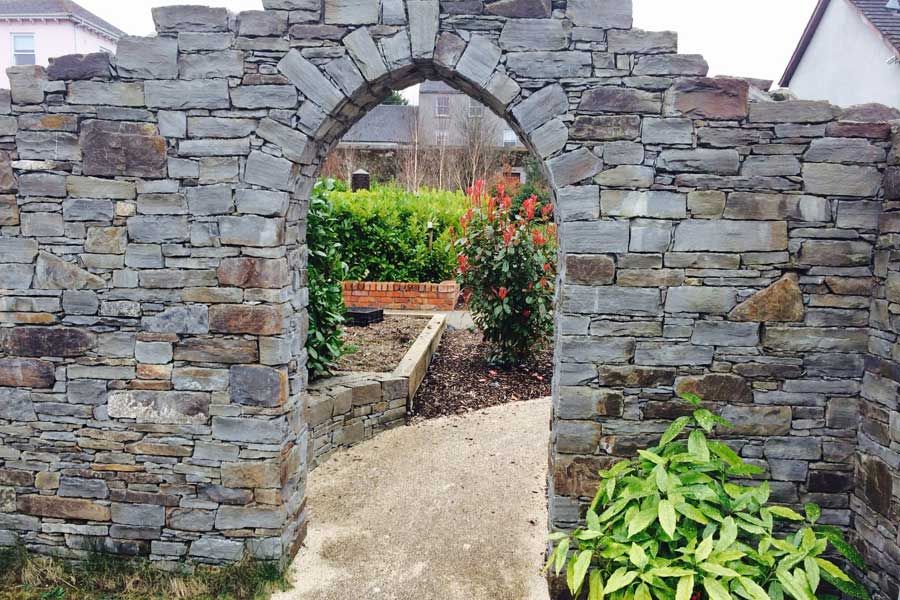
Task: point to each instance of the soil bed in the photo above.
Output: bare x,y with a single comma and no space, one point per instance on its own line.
380,347
460,379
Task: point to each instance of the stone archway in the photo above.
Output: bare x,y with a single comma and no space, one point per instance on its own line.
152,363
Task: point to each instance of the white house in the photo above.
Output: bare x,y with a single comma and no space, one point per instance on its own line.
33,31
849,54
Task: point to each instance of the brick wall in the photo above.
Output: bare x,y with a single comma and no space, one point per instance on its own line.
401,296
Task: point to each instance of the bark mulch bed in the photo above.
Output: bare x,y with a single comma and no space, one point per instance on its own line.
460,379
380,347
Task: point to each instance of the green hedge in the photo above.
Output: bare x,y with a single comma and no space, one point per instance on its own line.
389,234
327,269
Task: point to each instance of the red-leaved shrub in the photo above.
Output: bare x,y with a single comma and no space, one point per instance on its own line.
507,262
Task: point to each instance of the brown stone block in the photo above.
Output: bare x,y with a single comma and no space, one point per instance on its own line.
875,131
632,377
150,385
24,372
113,148
709,98
9,211
28,318
578,476
850,286
49,122
218,350
606,128
590,270
16,477
7,178
47,341
780,302
254,273
251,474
250,319
877,484
154,371
716,387
63,508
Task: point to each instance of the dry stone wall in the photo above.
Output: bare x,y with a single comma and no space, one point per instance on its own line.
153,264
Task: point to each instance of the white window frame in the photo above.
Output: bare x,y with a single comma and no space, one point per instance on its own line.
510,139
16,53
440,104
441,137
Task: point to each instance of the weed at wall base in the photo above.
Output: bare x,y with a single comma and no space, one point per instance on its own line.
25,575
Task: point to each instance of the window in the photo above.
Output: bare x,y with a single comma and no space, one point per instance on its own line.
510,138
476,110
441,137
442,106
23,49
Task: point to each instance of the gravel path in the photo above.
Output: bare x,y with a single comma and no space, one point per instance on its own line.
451,509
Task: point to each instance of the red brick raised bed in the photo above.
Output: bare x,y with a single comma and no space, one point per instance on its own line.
401,296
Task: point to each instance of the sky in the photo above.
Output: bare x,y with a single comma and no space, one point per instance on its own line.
749,38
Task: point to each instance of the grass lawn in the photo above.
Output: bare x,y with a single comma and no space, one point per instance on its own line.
28,576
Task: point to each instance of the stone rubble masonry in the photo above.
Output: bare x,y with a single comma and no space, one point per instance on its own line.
152,266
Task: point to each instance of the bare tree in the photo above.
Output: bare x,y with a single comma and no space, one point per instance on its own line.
341,162
478,155
411,160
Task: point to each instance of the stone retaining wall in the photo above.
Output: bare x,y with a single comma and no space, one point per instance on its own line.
345,410
152,264
401,296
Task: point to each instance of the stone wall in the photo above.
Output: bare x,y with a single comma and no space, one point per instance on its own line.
153,263
876,498
345,410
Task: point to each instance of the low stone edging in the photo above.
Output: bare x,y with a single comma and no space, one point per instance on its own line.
350,408
401,296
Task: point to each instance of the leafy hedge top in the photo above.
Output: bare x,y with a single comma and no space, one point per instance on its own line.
676,520
389,234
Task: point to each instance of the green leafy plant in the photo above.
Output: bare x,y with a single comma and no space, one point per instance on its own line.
389,234
326,270
507,263
674,523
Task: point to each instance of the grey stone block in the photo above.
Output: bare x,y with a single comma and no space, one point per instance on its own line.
269,171
183,95
595,237
541,107
147,57
725,333
700,299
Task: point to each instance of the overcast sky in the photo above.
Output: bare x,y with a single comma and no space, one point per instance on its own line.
737,37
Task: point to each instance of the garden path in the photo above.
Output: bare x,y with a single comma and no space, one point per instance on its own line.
450,509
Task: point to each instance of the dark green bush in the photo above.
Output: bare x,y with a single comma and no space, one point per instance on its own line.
327,269
679,522
389,234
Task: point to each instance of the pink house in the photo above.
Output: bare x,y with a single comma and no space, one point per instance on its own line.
33,31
